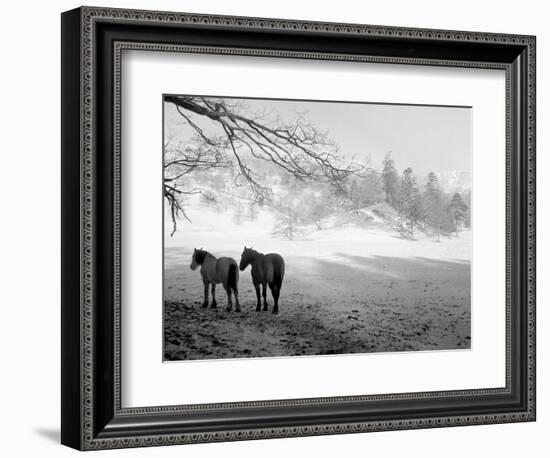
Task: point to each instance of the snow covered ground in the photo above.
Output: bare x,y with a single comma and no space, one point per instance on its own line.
356,286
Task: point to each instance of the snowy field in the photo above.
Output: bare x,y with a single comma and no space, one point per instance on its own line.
355,287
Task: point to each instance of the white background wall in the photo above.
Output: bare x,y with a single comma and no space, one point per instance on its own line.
30,241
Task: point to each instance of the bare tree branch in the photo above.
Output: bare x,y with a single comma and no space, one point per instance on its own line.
297,148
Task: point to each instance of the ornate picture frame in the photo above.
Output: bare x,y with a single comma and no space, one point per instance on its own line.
93,416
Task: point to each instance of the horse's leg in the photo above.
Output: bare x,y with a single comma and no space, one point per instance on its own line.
259,301
205,303
228,291
275,294
264,295
236,294
214,303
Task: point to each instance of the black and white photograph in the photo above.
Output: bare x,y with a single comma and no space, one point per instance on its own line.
305,227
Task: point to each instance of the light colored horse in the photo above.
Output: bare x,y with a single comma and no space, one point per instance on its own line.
266,269
217,270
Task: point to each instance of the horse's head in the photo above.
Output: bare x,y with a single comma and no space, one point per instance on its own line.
197,258
246,258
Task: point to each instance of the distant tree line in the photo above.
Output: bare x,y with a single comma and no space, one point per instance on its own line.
426,208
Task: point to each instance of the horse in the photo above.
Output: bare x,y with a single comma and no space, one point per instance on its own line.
217,270
266,269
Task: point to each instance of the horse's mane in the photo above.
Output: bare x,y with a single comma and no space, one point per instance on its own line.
253,251
200,255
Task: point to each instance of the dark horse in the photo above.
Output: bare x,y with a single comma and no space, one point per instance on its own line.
266,269
213,271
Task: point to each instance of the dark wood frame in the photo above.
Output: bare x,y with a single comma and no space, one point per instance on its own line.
92,42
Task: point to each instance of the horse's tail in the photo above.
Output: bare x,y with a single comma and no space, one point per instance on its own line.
232,276
278,272
277,280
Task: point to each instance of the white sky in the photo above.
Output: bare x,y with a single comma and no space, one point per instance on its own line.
426,138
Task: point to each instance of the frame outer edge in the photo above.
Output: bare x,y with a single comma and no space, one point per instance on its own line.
71,306
531,225
248,22
88,196
88,15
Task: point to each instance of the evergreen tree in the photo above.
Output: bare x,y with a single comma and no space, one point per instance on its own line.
467,198
432,184
435,213
458,211
390,180
410,202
